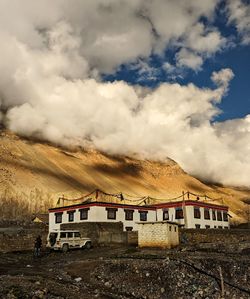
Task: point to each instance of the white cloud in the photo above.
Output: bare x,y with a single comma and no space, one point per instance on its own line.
172,71
172,19
111,32
198,44
169,68
239,14
186,58
222,78
204,41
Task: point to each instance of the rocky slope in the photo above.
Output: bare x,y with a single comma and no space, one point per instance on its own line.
34,174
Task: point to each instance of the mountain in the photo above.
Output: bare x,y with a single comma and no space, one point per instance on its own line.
33,175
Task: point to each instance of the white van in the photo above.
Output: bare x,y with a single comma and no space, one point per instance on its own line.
67,239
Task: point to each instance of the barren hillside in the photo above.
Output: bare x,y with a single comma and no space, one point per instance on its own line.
33,175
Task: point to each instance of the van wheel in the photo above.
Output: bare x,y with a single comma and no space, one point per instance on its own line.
65,248
88,245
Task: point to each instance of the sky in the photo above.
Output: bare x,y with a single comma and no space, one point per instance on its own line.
235,104
155,79
236,56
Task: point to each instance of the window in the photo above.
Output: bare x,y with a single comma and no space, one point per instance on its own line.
197,213
206,214
220,227
225,216
178,213
175,228
70,235
71,216
63,235
197,226
170,228
165,215
207,226
111,213
143,215
77,235
219,216
129,214
129,228
84,214
58,217
215,226
214,215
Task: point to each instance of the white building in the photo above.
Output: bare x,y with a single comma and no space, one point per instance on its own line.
163,234
101,212
190,214
194,214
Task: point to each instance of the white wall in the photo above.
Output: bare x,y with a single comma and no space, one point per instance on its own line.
203,222
52,225
191,221
99,214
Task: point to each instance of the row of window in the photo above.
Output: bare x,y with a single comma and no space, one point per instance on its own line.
216,215
178,214
129,214
69,235
111,214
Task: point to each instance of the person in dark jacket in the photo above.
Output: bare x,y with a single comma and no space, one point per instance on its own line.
38,246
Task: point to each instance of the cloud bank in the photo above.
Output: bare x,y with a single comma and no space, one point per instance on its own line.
52,58
239,14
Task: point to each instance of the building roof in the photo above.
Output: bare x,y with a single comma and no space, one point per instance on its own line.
102,204
190,203
42,217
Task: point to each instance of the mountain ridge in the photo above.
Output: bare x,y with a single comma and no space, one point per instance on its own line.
33,174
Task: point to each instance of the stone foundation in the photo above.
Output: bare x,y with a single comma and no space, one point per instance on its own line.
21,238
221,236
104,233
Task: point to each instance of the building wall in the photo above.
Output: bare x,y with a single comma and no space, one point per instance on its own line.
204,222
22,238
158,234
99,232
217,236
99,214
190,221
171,212
104,233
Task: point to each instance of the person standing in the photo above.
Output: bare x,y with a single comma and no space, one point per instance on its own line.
38,246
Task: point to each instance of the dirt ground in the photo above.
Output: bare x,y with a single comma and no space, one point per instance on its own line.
125,273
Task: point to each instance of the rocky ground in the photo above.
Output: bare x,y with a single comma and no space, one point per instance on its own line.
125,273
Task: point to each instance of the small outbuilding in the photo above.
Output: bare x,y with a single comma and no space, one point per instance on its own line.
163,234
41,218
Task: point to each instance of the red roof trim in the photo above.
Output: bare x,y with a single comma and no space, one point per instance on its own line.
141,208
190,203
101,204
